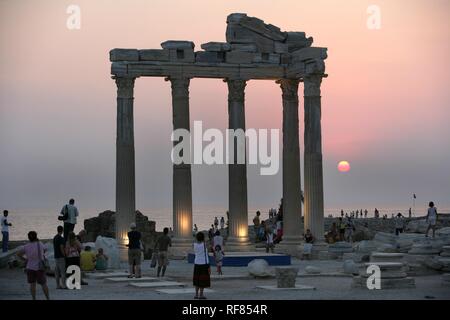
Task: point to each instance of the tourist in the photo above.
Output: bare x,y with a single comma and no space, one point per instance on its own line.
218,257
308,237
256,220
162,246
60,258
269,241
332,235
69,214
5,231
87,259
218,240
202,269
376,213
399,224
409,213
279,233
365,213
73,250
222,223
432,216
195,230
341,229
308,245
216,223
342,213
134,252
350,227
34,251
211,233
101,260
261,231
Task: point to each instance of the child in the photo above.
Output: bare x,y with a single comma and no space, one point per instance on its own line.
218,256
101,262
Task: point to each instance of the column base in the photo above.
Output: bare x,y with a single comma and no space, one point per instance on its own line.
234,244
292,248
123,253
180,248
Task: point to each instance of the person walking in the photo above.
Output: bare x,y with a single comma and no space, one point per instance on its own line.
162,246
134,252
202,270
34,251
60,258
432,216
399,224
69,214
5,231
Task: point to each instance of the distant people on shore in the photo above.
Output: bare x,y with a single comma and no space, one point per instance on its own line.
60,258
365,213
431,219
202,269
5,230
341,229
376,213
162,247
68,215
134,252
216,223
101,260
87,259
399,224
218,257
34,251
409,213
222,223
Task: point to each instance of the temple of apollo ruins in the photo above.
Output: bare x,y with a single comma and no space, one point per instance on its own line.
253,50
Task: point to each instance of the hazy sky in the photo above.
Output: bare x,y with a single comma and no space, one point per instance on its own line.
385,104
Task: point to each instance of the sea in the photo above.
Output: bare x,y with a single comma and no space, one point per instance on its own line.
44,222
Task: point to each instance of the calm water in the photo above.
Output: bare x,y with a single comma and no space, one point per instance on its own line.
45,222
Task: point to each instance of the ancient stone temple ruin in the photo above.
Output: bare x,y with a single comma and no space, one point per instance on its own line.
253,50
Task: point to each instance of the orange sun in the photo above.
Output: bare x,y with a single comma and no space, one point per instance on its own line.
344,166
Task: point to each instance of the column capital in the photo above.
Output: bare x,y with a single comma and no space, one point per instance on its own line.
289,87
236,90
180,86
312,84
125,87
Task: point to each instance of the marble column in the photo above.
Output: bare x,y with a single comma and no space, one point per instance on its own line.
292,209
182,185
237,173
314,208
125,176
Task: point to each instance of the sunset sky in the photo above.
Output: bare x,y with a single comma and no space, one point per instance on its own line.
385,104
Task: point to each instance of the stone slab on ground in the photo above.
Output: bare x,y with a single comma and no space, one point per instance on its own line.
182,291
126,279
297,287
103,275
229,276
156,284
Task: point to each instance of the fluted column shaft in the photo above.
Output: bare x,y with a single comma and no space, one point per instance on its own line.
182,183
314,207
125,174
292,209
237,173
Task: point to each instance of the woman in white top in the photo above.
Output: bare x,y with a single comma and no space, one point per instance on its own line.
431,218
202,270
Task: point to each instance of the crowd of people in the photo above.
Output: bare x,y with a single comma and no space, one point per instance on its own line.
69,251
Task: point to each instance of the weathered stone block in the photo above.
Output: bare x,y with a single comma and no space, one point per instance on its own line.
238,34
239,57
154,55
267,58
286,276
177,44
309,53
210,56
247,47
216,46
124,55
280,47
181,55
297,40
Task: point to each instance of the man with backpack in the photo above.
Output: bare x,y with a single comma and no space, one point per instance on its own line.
68,215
